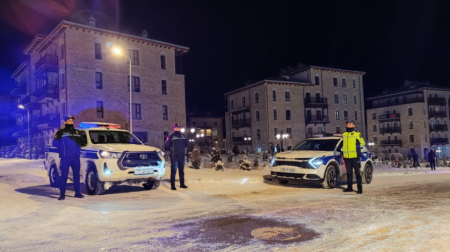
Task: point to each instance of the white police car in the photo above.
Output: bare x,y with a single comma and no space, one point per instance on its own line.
318,159
110,156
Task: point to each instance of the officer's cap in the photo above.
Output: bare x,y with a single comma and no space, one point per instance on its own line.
68,117
176,125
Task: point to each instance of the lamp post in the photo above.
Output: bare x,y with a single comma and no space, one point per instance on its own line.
246,140
28,116
119,52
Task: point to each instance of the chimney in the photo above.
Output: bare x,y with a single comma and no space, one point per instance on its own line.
92,21
144,33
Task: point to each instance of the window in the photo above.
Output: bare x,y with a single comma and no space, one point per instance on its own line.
215,132
256,98
410,113
99,109
374,127
374,115
142,136
215,124
288,114
134,56
165,112
336,115
289,132
243,101
411,138
319,130
317,80
163,61
136,111
338,130
275,114
346,115
354,99
98,80
136,87
375,139
344,83
335,82
275,132
164,87
231,104
354,84
274,95
344,99
63,81
356,115
257,116
258,134
98,51
62,51
411,126
287,96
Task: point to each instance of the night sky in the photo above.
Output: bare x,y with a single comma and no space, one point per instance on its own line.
233,42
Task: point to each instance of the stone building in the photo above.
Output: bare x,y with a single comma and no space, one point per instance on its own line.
72,71
303,101
412,116
206,124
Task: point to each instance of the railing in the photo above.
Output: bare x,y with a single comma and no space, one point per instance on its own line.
387,117
315,101
47,59
316,119
48,91
439,141
377,104
390,130
19,88
436,101
241,123
438,127
391,142
432,113
49,118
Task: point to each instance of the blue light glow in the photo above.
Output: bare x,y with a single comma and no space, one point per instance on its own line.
315,162
106,171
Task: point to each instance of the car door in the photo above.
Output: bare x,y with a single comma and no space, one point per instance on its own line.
338,157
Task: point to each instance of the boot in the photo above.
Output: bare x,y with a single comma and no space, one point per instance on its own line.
359,190
173,188
79,195
62,197
349,189
183,186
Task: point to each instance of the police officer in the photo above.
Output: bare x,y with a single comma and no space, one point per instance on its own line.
176,143
351,151
68,141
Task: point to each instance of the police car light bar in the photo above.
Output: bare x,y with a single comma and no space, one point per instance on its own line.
88,125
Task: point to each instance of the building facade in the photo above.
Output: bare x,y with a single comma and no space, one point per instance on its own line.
208,129
414,116
72,71
302,102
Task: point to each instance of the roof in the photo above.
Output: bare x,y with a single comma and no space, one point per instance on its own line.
301,69
19,69
39,43
271,80
411,88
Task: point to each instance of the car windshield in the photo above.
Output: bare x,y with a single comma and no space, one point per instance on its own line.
317,144
112,137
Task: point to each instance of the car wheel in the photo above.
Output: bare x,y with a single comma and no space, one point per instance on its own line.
330,178
152,184
93,184
283,182
367,174
53,176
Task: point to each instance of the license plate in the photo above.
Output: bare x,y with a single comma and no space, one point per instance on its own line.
288,169
141,171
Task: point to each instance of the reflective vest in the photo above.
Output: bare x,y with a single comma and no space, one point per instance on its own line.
353,142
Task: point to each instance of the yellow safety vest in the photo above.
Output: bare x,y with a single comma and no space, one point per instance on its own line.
352,141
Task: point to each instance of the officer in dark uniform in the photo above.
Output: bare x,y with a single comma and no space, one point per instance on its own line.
351,150
68,141
176,143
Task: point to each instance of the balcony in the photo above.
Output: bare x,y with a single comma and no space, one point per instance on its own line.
48,63
437,114
439,141
391,143
438,127
315,102
316,119
30,102
390,130
437,101
49,121
389,117
394,102
240,109
241,141
240,123
47,93
19,88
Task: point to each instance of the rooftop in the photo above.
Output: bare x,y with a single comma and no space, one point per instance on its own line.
271,80
409,87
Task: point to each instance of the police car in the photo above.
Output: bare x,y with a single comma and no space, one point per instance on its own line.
318,159
110,156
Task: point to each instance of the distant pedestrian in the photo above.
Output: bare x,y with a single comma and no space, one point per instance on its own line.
432,159
272,149
176,143
278,148
415,158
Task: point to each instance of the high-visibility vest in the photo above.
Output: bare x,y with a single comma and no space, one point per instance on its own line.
352,144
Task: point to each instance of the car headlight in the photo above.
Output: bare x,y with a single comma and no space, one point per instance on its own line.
161,154
315,162
107,154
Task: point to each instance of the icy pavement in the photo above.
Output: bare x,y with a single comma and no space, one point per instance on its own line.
233,210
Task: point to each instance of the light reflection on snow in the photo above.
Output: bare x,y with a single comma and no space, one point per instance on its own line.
244,180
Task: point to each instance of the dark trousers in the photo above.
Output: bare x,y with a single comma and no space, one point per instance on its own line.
65,164
353,164
176,162
433,165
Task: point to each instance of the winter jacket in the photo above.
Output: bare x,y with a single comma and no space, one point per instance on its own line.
431,156
353,142
176,143
68,141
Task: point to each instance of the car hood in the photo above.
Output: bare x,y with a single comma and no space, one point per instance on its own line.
302,154
123,147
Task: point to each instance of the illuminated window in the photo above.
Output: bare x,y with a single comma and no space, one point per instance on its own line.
98,80
134,56
166,113
163,62
99,109
98,51
164,87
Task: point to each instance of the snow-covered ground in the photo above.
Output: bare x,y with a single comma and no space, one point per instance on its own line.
404,209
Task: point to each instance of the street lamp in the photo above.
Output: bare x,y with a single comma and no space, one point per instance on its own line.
29,150
118,51
183,130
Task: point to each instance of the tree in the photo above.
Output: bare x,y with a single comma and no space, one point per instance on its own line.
236,150
196,158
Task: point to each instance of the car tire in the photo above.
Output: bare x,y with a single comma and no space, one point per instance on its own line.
93,184
151,184
283,182
367,174
53,176
330,178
